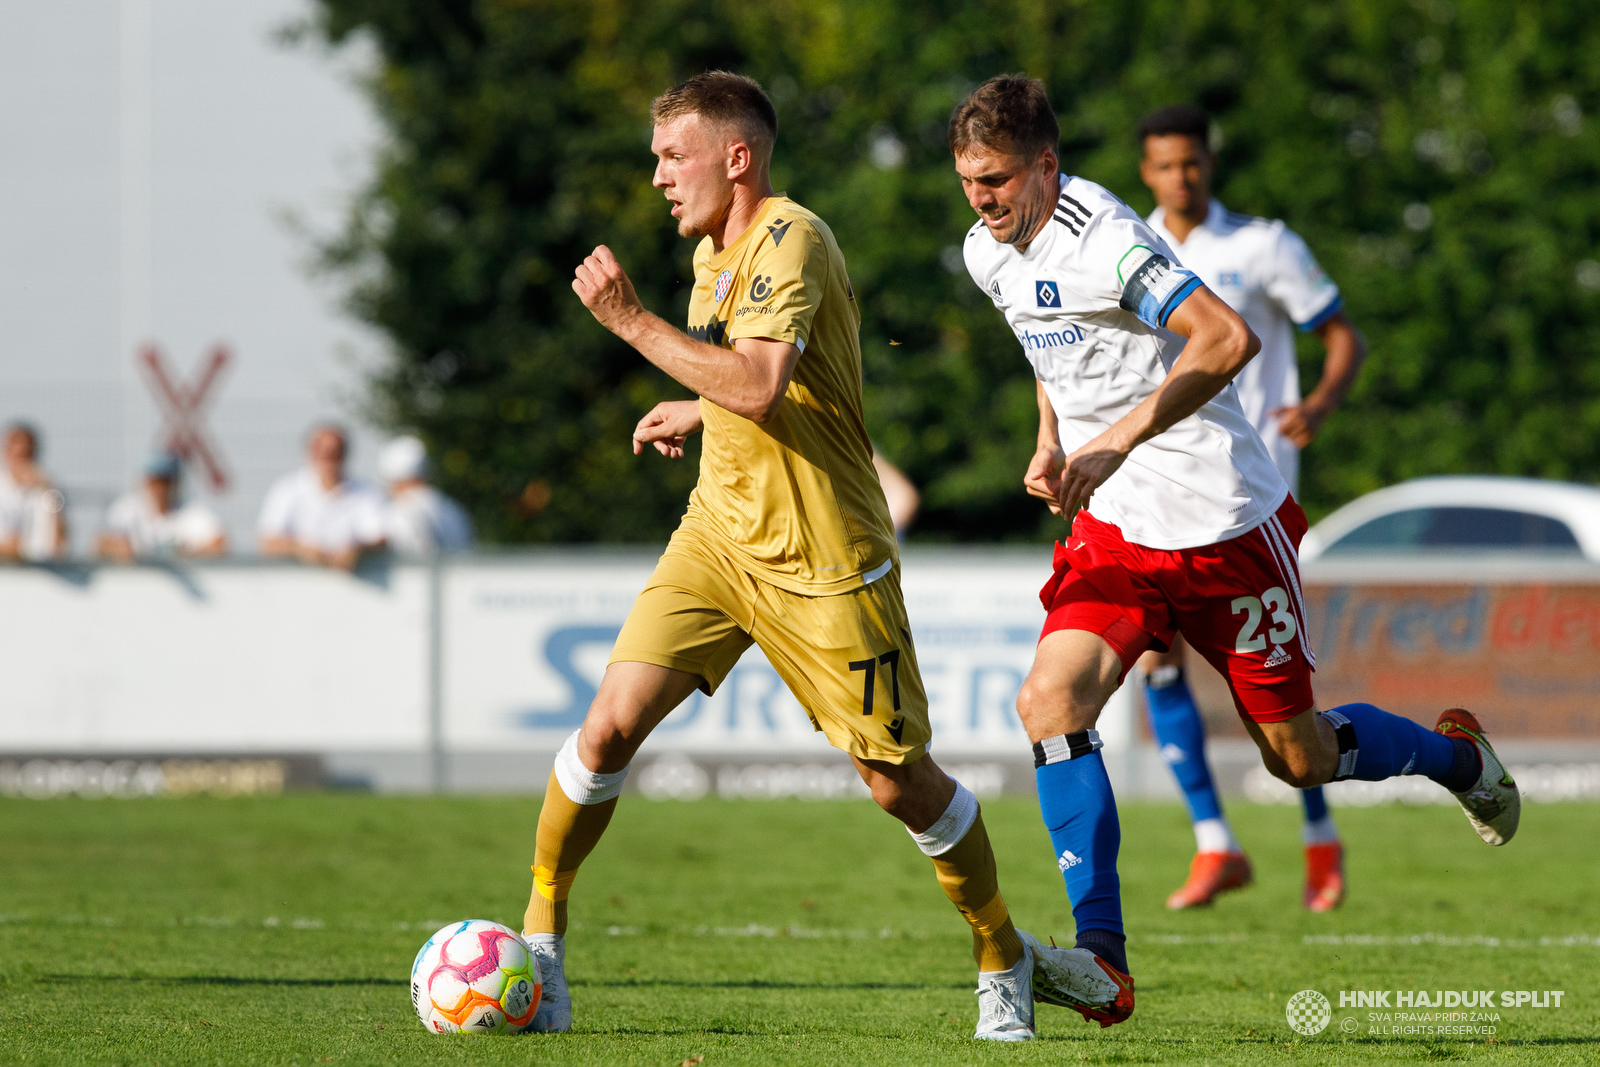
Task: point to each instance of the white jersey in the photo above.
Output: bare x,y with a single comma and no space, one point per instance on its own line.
350,515
1089,301
423,521
1265,272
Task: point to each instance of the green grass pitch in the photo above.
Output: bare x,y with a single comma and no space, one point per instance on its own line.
281,931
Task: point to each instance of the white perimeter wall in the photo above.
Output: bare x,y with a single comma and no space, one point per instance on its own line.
267,658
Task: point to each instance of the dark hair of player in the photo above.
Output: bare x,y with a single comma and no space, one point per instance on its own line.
724,98
1010,113
1177,120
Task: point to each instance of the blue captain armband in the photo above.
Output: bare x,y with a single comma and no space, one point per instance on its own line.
1152,286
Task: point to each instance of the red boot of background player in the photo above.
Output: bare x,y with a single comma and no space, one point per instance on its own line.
1324,876
1211,873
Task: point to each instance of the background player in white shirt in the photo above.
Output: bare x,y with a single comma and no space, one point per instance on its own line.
1186,523
1265,272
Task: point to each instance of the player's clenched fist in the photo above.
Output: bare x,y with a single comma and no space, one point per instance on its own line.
666,426
605,290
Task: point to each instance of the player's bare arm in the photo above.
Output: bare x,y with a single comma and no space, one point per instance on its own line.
1043,479
667,426
1346,352
1220,344
750,380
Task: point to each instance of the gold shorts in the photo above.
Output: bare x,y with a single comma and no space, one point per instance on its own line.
847,658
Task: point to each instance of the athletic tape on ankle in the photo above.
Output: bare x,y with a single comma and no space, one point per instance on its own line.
948,830
582,785
989,918
1065,746
1344,731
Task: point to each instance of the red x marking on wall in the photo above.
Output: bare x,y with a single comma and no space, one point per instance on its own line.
183,407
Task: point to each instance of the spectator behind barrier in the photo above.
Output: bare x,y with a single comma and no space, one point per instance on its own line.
151,522
317,514
33,521
422,520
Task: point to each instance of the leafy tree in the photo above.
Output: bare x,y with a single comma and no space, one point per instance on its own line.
1437,155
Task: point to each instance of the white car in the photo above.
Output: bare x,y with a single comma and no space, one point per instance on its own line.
1466,513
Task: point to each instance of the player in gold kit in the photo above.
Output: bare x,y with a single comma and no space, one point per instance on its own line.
787,541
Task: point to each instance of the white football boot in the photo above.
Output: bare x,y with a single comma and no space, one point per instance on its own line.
555,1003
1078,979
1005,1002
1493,805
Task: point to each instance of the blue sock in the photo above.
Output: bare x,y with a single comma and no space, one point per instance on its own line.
1314,803
1374,745
1181,737
1081,815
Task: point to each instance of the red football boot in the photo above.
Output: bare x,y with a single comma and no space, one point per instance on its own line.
1076,978
1493,805
1324,876
1211,873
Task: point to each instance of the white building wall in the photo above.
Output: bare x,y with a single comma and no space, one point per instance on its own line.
161,164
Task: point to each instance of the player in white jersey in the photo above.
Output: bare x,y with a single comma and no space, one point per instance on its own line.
1265,272
1186,526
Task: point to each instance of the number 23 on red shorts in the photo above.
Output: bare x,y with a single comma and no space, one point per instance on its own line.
1238,602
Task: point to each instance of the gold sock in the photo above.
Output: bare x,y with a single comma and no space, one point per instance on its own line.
568,832
967,875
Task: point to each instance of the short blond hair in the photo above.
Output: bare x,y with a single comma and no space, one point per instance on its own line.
722,97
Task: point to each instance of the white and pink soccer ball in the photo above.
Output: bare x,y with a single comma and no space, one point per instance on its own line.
475,977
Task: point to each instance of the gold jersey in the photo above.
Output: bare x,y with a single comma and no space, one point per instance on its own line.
795,501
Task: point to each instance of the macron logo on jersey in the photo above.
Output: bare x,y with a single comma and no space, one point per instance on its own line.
1047,294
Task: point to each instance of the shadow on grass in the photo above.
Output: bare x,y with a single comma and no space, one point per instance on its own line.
221,979
622,983
754,983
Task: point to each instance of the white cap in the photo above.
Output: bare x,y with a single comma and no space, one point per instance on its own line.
403,459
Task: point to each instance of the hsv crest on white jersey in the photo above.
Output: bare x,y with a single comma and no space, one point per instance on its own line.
1264,271
1089,301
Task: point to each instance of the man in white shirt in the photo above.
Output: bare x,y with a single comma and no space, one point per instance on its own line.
318,514
1187,525
32,510
1265,272
152,522
422,521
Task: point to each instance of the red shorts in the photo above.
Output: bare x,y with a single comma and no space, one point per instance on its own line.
1237,602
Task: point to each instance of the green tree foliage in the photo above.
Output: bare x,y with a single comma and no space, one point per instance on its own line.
1439,155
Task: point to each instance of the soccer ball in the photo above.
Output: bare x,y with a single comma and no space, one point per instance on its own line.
475,977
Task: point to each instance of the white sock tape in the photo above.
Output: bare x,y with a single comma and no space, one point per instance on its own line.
951,827
582,785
